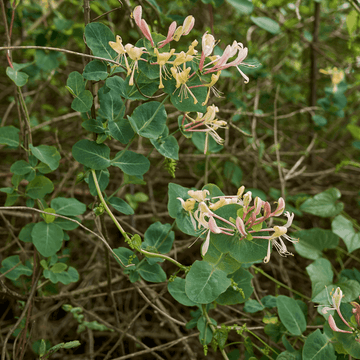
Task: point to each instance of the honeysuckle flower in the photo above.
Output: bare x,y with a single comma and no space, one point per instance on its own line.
199,195
336,301
120,49
162,59
175,33
280,208
241,226
191,51
258,203
181,58
211,125
141,23
222,62
335,328
356,311
218,204
337,76
204,211
188,206
208,44
247,199
210,85
240,191
135,55
181,78
186,27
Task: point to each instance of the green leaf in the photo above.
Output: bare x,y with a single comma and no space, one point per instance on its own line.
93,125
291,315
20,167
76,83
318,347
167,146
223,261
253,306
21,269
18,77
177,212
131,163
344,228
354,130
64,206
25,233
176,289
147,87
83,102
67,224
9,135
111,105
93,155
46,154
47,238
97,39
39,187
152,273
312,242
233,296
59,275
319,120
324,204
352,21
58,268
83,98
205,282
321,275
121,130
121,206
204,328
95,70
67,345
233,173
49,218
159,236
149,119
242,6
266,23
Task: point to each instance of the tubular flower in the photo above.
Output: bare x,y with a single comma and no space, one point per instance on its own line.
222,62
334,327
141,23
176,33
210,85
280,208
211,125
135,55
208,44
119,48
188,206
181,59
181,78
199,195
162,59
191,51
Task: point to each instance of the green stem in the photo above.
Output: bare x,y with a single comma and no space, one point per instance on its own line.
353,221
213,329
280,283
174,132
123,232
165,257
27,117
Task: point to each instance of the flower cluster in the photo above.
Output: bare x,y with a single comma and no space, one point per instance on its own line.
181,66
203,216
336,301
